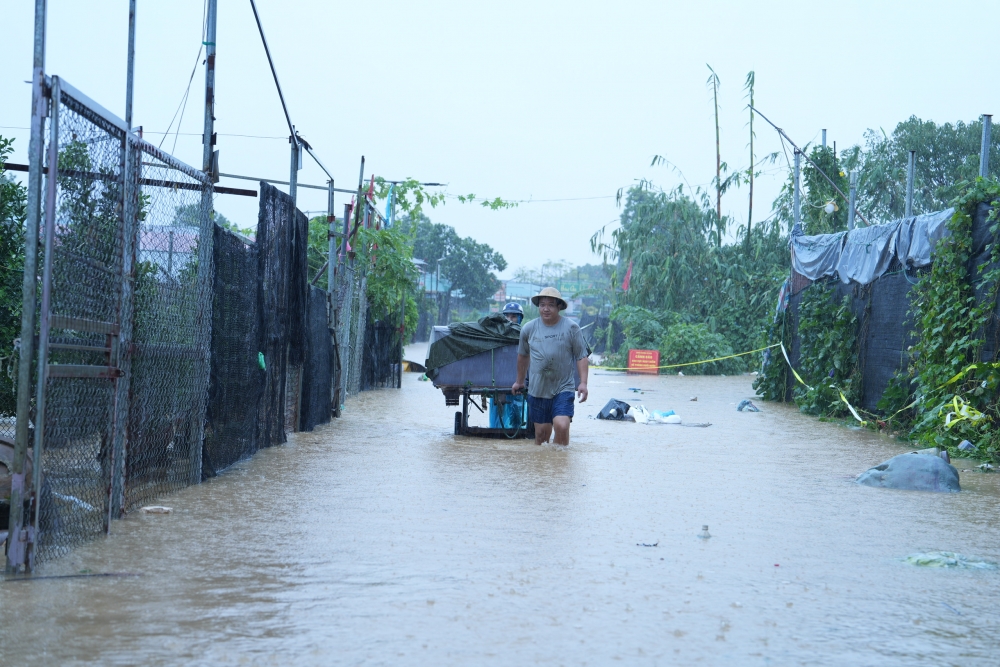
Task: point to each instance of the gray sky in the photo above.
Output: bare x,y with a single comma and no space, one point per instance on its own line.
522,100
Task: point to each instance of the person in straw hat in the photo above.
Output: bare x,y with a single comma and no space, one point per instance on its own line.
553,347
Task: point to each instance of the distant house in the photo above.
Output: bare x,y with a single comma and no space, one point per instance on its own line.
170,247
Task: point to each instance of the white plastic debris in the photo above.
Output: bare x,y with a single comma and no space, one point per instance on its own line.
157,509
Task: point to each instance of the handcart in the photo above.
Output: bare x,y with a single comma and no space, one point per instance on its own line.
473,380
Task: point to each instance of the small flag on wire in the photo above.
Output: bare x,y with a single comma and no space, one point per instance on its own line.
628,277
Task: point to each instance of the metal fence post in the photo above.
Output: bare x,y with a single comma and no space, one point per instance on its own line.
51,188
333,305
130,220
853,199
206,234
910,168
346,307
984,149
796,195
36,144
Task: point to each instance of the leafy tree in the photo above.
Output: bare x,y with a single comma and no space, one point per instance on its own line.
467,264
189,215
819,194
947,155
13,203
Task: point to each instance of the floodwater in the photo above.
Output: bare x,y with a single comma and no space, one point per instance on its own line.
383,539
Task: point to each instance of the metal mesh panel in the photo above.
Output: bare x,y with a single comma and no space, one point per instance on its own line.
84,313
346,301
237,380
170,352
123,326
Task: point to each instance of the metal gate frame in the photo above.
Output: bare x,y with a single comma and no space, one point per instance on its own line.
119,347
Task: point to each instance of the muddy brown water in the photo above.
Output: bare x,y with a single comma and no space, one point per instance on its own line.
383,539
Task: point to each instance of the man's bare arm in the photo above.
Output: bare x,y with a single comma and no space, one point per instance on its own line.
582,367
522,370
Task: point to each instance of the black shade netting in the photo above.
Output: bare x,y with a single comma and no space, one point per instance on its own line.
237,381
281,294
381,359
317,369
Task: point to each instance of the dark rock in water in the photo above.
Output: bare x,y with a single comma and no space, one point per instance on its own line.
913,472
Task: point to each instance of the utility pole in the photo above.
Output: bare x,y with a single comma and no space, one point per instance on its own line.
39,102
210,163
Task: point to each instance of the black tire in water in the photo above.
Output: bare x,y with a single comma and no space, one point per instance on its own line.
458,423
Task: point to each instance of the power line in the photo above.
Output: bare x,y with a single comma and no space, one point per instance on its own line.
221,134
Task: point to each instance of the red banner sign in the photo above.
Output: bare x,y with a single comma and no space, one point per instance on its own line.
644,361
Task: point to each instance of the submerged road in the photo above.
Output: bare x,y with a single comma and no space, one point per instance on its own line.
383,539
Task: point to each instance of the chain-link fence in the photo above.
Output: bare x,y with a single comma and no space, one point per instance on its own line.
81,313
123,324
170,348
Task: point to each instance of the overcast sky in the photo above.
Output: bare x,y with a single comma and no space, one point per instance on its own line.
536,100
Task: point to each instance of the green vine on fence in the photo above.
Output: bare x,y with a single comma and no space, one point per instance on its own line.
828,352
955,390
772,380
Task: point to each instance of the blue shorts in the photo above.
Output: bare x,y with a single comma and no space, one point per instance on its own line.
542,410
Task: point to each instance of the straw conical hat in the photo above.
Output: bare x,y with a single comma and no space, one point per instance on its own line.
551,292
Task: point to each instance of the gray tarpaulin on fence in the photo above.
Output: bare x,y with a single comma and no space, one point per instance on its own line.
816,256
864,254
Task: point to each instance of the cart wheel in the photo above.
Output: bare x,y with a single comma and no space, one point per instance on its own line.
458,423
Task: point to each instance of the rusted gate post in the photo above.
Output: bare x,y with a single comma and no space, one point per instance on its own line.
332,303
206,239
39,100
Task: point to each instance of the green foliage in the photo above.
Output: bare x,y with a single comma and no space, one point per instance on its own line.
13,203
828,359
318,248
819,193
643,329
950,326
410,196
677,267
772,382
947,157
683,343
392,274
467,264
189,215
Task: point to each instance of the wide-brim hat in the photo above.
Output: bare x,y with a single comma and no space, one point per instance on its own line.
553,293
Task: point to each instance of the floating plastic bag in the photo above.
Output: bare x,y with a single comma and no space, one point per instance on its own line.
614,410
640,414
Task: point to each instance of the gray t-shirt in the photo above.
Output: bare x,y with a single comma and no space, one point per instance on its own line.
554,351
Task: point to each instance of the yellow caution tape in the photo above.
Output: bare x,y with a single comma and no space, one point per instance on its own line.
851,408
798,377
688,363
788,361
